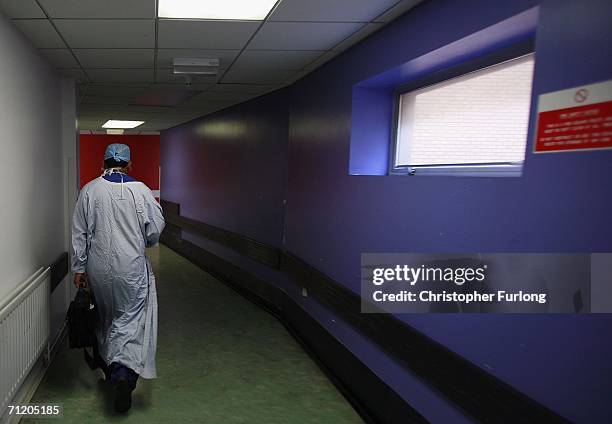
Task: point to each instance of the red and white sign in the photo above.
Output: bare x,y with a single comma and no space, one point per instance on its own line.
578,118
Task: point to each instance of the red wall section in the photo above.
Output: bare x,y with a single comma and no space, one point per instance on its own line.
144,151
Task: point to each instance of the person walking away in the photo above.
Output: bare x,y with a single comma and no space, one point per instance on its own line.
115,219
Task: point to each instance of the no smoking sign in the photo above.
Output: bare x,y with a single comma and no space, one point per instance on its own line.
578,118
581,95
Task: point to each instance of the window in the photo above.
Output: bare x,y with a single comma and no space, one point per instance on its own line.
469,125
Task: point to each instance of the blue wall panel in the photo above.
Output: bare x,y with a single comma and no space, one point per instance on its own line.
236,178
230,170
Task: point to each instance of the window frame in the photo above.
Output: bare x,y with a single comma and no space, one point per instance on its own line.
497,169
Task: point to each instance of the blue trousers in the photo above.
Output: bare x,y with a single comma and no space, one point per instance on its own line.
118,370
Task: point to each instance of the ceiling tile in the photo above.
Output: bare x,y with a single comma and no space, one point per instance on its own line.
330,10
256,77
120,75
40,32
194,106
193,87
148,110
323,59
296,76
269,90
98,100
198,114
273,59
59,58
115,58
227,35
183,110
166,76
214,96
90,109
99,9
90,124
400,8
301,35
185,114
77,74
159,125
114,90
177,112
165,56
107,33
358,36
118,112
156,96
21,9
244,88
100,116
201,110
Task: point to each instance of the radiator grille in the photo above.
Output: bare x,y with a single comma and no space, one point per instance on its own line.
24,332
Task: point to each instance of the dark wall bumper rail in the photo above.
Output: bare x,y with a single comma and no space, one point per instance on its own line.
253,249
59,269
482,396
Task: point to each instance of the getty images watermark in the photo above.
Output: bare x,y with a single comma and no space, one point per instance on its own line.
490,282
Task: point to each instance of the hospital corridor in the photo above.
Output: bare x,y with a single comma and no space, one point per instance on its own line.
306,211
220,359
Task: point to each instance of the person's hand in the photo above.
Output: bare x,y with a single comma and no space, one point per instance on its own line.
80,280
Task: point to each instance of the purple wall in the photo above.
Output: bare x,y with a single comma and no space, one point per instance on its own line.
229,169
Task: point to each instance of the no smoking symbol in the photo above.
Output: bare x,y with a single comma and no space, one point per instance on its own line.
581,95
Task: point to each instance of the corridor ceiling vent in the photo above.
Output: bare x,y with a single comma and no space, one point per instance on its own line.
116,123
195,66
244,10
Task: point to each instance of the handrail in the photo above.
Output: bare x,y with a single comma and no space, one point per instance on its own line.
21,291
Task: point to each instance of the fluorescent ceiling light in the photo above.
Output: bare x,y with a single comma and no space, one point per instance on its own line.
115,123
114,131
251,10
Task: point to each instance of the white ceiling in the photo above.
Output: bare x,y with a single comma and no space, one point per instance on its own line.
120,53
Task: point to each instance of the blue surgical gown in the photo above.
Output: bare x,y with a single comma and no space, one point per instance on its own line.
113,223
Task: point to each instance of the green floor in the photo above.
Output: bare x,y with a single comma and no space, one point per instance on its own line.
220,359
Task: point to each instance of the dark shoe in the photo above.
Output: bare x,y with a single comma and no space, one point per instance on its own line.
123,395
94,362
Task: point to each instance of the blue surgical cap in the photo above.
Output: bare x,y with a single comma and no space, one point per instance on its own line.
119,152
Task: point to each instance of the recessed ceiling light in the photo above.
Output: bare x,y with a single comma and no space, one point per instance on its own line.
114,131
115,123
251,10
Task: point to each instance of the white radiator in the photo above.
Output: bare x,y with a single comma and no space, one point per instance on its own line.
24,332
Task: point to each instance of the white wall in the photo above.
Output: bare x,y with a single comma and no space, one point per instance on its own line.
63,293
33,178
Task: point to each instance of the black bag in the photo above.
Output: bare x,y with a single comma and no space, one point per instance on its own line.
81,317
81,320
